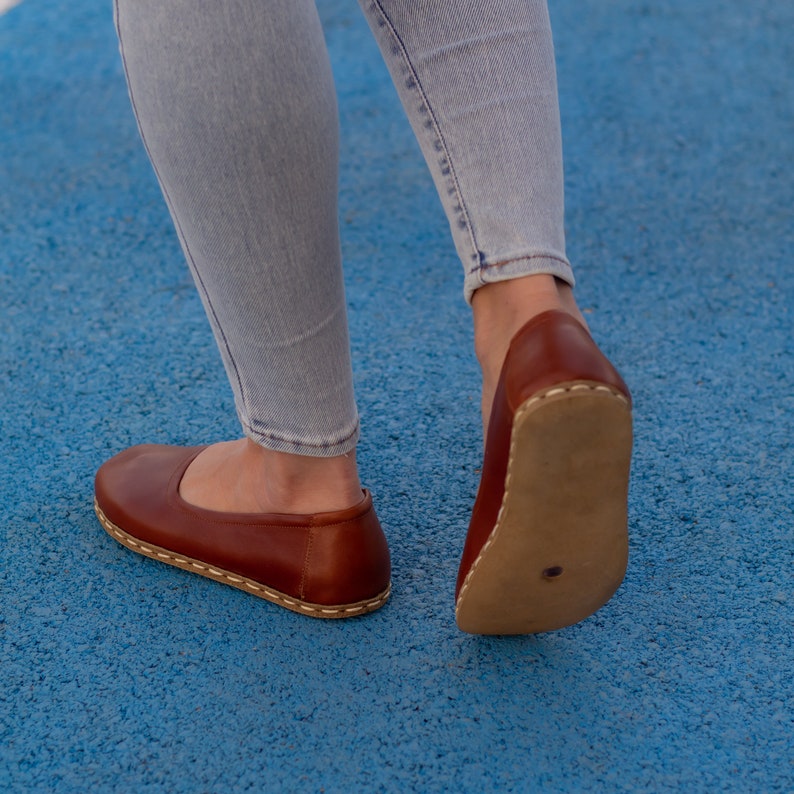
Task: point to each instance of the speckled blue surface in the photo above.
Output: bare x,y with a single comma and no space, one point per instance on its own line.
120,674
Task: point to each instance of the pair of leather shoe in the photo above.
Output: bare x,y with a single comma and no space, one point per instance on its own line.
547,542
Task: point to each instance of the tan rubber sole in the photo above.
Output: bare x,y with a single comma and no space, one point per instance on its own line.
559,548
240,582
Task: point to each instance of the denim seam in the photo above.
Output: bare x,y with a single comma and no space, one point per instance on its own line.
415,83
250,426
178,226
486,266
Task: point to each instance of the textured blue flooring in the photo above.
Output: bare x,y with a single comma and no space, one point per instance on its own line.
120,674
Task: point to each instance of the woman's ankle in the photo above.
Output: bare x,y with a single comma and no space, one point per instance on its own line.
304,484
501,309
242,476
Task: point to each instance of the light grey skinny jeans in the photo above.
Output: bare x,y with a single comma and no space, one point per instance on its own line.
236,106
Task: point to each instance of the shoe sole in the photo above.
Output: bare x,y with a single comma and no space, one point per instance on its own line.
238,581
559,548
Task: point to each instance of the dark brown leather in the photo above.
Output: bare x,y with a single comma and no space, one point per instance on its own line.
551,348
328,558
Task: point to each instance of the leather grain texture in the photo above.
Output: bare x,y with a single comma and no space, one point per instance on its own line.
552,349
334,558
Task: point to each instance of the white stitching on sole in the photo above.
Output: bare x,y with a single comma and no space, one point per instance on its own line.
240,582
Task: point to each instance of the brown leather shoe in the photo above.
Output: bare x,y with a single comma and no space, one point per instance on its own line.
327,565
548,543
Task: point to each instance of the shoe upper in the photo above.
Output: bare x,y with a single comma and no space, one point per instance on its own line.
333,558
551,349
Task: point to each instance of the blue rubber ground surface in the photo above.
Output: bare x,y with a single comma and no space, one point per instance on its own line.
121,674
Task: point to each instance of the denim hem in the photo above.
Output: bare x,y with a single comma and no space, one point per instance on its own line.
516,268
312,447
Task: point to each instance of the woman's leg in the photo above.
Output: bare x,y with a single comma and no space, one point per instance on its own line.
237,109
547,540
478,82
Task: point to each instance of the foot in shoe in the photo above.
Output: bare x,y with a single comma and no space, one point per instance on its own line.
547,543
326,564
500,310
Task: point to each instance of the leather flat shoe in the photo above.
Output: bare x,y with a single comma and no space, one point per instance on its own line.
548,542
326,565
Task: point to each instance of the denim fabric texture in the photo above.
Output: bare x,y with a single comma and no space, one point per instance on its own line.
236,106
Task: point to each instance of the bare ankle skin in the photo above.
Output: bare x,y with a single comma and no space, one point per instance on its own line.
500,310
244,477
